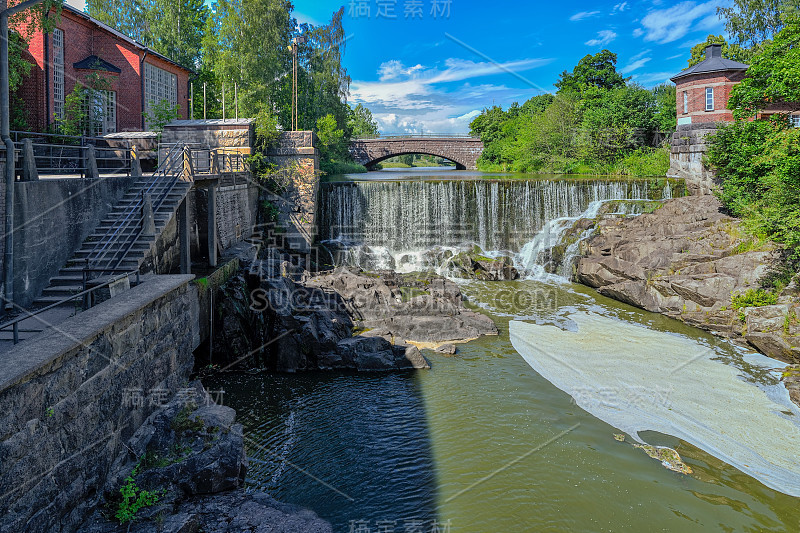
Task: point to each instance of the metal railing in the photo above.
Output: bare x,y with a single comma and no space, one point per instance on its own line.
67,154
84,295
117,236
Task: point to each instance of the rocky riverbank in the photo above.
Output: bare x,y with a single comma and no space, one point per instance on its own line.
689,260
183,472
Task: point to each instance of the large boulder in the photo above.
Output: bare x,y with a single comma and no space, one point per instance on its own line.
686,260
406,308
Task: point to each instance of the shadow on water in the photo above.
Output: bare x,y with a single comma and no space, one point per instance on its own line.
354,448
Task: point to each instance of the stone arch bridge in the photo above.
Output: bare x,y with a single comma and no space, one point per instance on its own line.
463,150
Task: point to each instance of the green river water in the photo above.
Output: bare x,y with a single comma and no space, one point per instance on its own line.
482,443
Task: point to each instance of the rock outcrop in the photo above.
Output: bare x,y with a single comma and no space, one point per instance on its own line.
418,308
191,455
686,260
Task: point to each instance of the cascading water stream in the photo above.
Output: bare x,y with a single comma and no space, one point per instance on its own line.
395,224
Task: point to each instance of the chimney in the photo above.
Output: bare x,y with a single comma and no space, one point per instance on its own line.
713,50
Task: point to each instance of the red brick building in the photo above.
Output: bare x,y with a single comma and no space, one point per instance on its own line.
702,91
80,46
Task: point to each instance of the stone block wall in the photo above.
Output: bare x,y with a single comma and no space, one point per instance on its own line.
465,152
234,134
237,206
296,154
687,148
70,397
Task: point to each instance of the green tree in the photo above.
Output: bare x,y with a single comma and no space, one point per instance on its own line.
599,70
333,145
666,107
130,17
360,122
176,29
751,22
173,28
734,52
773,76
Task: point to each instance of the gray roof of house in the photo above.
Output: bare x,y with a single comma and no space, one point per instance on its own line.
714,62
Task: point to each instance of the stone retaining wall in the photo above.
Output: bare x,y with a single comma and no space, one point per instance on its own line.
687,149
71,396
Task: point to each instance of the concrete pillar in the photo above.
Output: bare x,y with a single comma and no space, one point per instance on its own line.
29,170
148,219
91,163
212,226
184,237
136,165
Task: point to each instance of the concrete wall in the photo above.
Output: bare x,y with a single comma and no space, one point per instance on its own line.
68,402
687,149
51,219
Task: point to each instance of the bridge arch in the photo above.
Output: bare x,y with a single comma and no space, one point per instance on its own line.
463,151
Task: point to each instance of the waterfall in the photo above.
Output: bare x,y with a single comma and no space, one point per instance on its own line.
391,223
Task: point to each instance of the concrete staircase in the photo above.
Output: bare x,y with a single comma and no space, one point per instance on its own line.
118,244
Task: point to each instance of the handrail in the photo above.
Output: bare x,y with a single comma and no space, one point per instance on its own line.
106,240
128,241
30,314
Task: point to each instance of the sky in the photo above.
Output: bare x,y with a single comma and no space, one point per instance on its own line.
426,73
432,65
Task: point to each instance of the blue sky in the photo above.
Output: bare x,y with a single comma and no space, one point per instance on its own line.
435,73
426,73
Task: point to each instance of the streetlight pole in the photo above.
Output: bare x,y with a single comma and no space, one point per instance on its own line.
5,133
300,39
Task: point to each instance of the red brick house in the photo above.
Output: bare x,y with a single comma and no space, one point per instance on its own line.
81,45
702,91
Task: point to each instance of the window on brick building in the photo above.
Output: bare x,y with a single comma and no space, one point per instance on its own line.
709,99
159,85
58,73
685,102
101,112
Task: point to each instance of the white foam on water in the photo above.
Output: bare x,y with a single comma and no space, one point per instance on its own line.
637,379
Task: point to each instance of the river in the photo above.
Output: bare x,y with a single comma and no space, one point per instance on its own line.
482,442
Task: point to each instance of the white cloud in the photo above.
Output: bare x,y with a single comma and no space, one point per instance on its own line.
634,65
671,24
391,70
583,15
653,78
603,38
418,98
619,8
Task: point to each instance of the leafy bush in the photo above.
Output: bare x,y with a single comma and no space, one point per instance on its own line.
161,114
133,499
753,298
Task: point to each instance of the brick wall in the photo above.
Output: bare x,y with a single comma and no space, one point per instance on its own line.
695,87
82,38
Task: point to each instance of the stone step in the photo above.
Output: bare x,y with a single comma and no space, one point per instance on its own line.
62,291
66,280
138,247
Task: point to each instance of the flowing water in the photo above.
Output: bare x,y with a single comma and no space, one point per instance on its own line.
484,443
